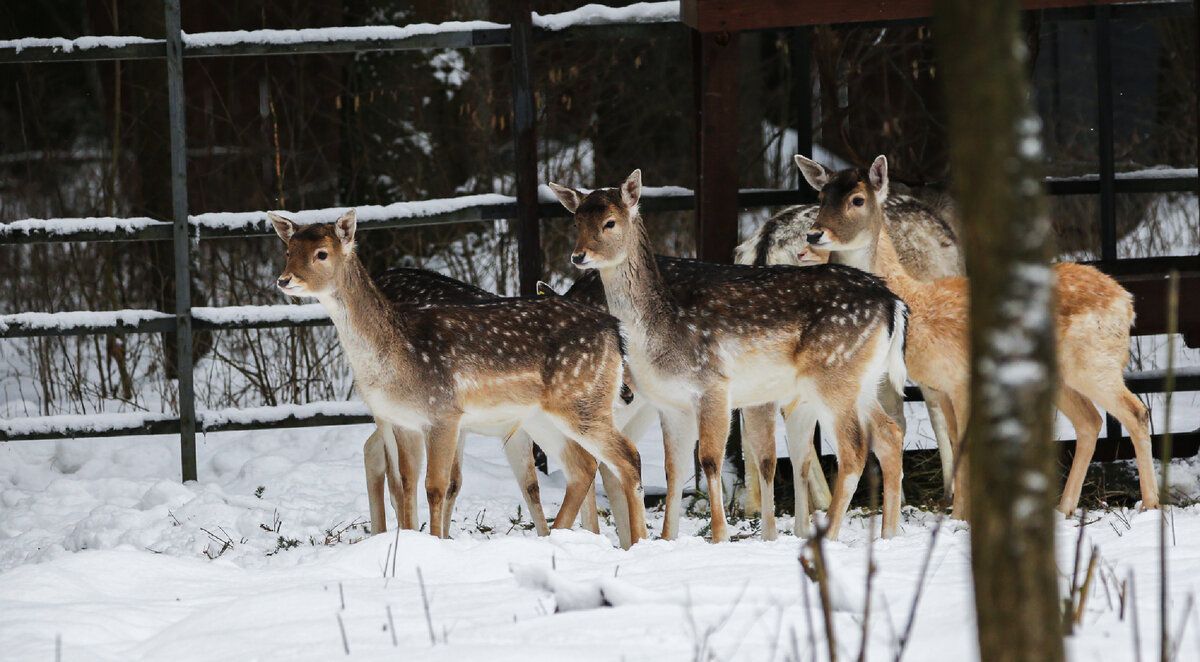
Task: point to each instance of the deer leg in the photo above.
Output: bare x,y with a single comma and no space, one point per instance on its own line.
941,417
959,408
887,442
818,487
375,464
404,450
714,431
852,458
518,449
455,485
616,501
800,421
581,474
589,512
1110,393
679,439
441,445
758,442
1087,422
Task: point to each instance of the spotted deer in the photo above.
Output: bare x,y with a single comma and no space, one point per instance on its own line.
758,435
435,368
399,455
821,336
928,247
1093,316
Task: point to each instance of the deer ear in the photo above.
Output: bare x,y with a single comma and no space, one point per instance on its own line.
569,197
879,177
544,289
344,229
631,189
283,227
814,173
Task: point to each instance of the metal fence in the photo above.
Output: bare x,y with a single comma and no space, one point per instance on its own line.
525,207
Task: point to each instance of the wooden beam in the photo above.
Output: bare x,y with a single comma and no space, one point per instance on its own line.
715,62
716,15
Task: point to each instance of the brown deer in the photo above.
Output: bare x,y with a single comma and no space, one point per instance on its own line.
438,367
928,247
681,275
822,336
1093,315
399,455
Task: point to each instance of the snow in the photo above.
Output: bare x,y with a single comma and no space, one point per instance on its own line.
79,319
546,194
218,417
79,44
1157,172
244,314
640,12
70,225
81,423
416,209
317,35
104,551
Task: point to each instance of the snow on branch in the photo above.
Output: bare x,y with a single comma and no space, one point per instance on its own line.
366,213
214,418
78,424
641,12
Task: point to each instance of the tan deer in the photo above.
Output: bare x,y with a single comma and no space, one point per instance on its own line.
439,367
821,336
1093,315
398,456
927,245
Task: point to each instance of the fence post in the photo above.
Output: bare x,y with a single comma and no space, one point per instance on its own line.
1104,136
529,242
183,261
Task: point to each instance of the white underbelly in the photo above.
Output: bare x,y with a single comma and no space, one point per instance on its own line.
757,380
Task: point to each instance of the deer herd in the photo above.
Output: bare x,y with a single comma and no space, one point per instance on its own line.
830,309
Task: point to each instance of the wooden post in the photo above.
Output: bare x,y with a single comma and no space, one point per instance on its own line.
715,86
995,149
529,243
183,258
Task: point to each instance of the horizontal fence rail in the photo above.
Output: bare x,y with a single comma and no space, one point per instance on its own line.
643,21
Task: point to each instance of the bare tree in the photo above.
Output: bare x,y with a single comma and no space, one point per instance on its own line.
995,149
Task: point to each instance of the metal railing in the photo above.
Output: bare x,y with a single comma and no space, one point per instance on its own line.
526,207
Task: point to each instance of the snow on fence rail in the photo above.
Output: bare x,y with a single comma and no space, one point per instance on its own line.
213,420
452,34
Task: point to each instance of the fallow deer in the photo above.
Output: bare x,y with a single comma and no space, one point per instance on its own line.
824,336
928,247
399,455
1093,317
758,435
435,368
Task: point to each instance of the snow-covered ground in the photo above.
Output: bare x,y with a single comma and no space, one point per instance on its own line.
104,554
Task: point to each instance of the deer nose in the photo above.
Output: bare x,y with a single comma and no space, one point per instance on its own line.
815,237
578,258
283,282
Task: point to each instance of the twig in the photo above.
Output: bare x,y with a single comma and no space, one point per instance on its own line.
1165,487
342,595
819,573
1133,619
342,628
392,626
1187,610
912,612
1086,588
425,601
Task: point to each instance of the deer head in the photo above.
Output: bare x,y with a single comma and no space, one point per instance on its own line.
315,254
607,220
851,212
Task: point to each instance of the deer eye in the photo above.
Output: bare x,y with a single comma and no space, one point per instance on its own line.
858,201
321,255
610,224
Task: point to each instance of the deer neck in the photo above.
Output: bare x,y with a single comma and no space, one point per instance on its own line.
636,292
860,258
891,270
364,319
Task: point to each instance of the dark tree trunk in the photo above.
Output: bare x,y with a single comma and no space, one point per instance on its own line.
995,147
